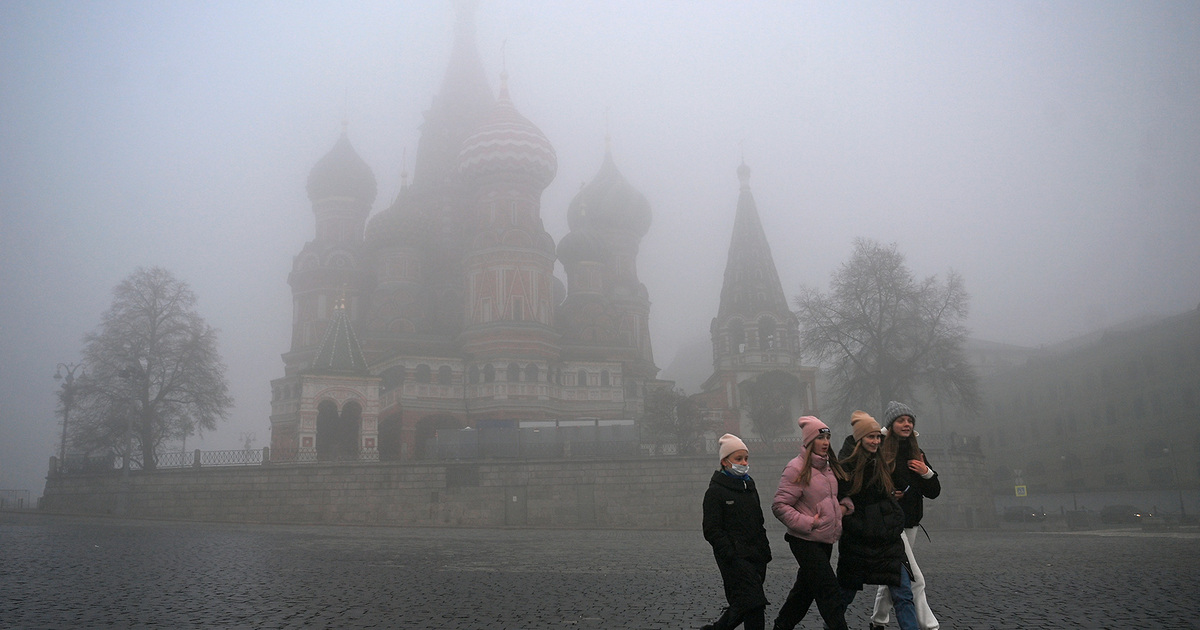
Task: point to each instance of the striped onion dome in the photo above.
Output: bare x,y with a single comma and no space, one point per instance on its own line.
508,143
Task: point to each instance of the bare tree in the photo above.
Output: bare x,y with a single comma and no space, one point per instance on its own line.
767,399
675,416
154,374
881,335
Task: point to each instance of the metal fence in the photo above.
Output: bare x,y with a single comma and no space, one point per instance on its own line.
14,500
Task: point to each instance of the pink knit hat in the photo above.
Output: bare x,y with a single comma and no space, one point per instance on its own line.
810,427
730,444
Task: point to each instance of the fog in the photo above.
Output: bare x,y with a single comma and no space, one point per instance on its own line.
1048,152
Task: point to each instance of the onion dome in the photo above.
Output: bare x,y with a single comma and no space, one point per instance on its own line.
401,224
507,142
342,173
577,247
609,201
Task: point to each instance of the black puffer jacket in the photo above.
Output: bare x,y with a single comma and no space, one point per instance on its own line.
733,525
870,550
919,489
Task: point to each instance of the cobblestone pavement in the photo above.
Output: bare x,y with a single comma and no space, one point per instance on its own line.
79,572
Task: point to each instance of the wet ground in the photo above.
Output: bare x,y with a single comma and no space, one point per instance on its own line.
83,572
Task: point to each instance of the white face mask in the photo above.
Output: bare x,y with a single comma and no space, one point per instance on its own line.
740,469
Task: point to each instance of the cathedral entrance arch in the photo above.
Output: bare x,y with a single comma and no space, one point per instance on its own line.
390,439
337,433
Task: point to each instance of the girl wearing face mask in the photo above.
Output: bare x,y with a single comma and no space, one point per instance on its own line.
807,502
871,550
733,525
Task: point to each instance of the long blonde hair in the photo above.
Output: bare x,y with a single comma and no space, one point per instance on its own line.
857,461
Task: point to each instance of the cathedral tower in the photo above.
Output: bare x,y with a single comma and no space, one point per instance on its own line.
508,310
755,336
607,307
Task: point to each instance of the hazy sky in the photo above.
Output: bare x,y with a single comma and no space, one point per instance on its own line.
1047,151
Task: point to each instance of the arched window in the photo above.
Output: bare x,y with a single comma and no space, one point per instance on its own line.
604,378
424,374
489,373
327,429
392,377
531,373
581,378
766,333
445,375
737,337
514,373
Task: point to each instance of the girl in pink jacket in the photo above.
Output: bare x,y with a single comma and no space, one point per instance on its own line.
809,504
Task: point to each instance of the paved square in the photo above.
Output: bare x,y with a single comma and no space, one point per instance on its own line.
80,572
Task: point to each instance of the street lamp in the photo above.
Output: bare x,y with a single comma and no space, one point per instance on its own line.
1066,464
135,370
1178,486
68,398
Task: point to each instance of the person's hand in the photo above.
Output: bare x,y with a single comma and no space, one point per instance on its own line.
845,509
918,467
817,518
898,494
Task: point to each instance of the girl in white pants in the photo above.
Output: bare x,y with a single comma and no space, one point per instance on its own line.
883,599
915,481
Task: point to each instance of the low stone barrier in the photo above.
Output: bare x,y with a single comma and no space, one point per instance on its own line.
635,493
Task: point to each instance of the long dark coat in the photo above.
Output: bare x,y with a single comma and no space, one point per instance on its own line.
919,489
871,550
733,525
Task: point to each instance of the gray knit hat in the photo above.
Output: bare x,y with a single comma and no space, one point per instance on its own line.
895,410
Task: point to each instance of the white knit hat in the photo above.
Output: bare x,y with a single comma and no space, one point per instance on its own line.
730,444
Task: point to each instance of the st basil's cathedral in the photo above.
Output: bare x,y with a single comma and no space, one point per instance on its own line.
442,312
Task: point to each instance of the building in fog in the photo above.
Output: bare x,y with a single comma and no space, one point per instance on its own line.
755,336
1109,415
442,311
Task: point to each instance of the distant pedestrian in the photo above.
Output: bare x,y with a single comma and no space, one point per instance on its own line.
808,503
733,525
871,550
914,481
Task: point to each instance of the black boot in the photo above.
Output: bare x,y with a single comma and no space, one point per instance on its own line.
721,623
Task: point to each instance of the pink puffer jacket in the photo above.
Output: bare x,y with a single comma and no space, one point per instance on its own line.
796,506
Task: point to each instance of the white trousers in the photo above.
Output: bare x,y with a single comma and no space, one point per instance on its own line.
883,599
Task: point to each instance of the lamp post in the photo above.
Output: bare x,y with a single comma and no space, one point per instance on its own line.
1178,486
134,371
68,398
1070,484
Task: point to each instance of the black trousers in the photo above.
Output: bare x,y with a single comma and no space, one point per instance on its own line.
815,579
743,581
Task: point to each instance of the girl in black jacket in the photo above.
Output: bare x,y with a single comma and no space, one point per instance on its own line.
733,525
910,470
871,550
